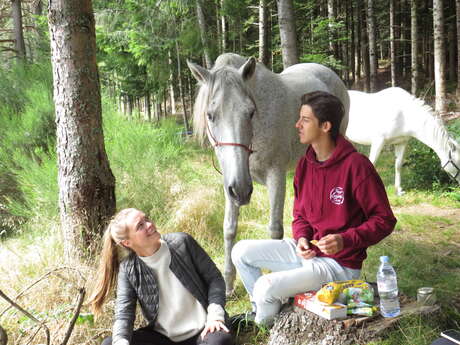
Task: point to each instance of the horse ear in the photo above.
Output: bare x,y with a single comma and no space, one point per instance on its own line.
247,70
201,74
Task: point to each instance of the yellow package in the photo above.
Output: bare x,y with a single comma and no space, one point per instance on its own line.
331,291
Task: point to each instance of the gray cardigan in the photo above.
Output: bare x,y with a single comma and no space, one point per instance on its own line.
136,282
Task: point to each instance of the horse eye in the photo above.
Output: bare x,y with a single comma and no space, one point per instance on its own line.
210,117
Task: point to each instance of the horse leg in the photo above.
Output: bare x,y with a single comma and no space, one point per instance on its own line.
230,226
400,149
276,184
376,148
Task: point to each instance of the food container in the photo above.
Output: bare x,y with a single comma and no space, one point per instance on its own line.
426,296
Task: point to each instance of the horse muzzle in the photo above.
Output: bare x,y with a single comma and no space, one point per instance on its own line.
241,196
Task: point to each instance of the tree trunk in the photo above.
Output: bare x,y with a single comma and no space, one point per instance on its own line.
181,89
224,29
392,43
171,84
439,56
414,47
403,47
351,53
288,34
451,40
264,55
457,5
203,33
86,183
372,45
331,17
359,43
148,107
16,14
218,27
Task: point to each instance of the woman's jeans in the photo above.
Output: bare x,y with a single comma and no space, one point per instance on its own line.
147,336
290,275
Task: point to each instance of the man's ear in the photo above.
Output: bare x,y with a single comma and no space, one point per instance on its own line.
326,126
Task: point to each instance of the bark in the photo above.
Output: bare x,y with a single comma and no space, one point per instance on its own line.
203,33
439,56
264,55
181,89
403,48
86,183
223,29
351,54
365,54
288,34
331,17
457,6
218,27
148,106
171,84
16,14
414,47
451,40
392,43
358,45
372,46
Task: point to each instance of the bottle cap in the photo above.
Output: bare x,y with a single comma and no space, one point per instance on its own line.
384,259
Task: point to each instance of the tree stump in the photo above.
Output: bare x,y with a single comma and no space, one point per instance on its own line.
296,326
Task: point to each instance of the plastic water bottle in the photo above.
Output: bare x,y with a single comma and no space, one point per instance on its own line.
388,289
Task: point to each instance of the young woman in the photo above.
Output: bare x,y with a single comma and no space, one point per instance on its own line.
179,288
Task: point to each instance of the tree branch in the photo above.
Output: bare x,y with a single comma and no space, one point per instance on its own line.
29,315
82,292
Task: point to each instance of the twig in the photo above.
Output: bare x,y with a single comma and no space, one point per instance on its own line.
33,336
40,279
29,315
75,316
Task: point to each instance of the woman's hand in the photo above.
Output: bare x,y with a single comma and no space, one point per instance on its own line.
212,326
303,249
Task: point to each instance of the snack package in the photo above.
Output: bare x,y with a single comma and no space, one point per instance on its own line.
364,311
330,292
362,296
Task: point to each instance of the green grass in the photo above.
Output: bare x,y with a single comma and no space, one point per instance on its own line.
173,179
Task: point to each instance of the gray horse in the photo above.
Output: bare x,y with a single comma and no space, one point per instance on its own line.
249,115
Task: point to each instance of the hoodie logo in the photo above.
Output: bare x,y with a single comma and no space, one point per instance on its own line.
337,195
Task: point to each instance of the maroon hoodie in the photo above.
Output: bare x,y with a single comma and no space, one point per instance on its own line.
342,195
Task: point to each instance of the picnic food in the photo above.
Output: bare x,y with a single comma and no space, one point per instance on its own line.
331,291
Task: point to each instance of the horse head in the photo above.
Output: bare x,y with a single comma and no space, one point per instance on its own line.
224,109
452,165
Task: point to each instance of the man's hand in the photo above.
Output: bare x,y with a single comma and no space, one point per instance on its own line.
331,244
303,249
212,326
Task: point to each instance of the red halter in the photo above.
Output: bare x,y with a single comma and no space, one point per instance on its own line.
218,143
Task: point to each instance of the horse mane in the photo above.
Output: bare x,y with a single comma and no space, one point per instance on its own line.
439,130
224,73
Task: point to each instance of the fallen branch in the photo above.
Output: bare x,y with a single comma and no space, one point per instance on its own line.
75,316
29,315
53,271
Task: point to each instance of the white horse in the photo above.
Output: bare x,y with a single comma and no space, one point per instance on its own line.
249,115
393,116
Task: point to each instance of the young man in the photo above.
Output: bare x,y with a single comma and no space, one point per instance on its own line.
340,201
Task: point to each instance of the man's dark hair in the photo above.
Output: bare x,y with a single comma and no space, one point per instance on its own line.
326,107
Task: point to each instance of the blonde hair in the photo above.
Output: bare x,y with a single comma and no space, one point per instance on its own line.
109,262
